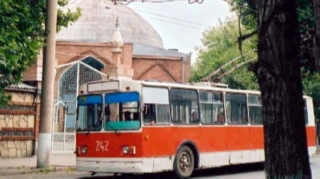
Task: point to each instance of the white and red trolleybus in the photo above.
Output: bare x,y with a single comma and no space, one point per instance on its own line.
127,126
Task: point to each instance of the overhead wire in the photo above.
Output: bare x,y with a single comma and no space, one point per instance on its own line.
173,18
157,1
180,22
176,23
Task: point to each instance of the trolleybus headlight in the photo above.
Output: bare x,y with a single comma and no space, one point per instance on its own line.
125,149
133,150
84,150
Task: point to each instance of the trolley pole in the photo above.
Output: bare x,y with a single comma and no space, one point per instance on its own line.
47,89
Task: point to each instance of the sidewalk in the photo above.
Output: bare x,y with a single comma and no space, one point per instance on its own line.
62,160
58,162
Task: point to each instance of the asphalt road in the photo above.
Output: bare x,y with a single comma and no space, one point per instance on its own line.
220,173
252,171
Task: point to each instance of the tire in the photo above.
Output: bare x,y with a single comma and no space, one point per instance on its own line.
126,175
184,162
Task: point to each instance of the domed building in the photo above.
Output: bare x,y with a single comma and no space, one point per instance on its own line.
107,42
97,24
88,40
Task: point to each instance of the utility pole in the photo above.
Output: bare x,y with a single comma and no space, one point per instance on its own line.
47,89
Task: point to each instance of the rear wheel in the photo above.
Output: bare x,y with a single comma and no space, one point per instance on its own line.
184,162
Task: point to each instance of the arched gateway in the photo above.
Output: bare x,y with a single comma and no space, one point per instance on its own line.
69,77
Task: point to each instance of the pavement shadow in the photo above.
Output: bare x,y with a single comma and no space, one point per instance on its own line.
234,169
166,175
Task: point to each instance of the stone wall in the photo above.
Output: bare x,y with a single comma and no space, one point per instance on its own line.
17,125
16,149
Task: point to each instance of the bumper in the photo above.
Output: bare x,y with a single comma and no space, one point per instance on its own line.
116,165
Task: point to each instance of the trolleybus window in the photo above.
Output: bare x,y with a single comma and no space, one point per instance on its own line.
156,114
236,108
156,105
211,107
184,106
255,109
89,113
122,111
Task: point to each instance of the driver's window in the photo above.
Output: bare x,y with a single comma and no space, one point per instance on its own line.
149,113
156,114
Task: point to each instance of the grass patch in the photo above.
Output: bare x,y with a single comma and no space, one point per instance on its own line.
46,169
70,169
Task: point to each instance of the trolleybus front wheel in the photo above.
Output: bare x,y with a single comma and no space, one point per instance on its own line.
184,162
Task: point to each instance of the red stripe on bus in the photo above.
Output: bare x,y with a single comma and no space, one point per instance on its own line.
164,141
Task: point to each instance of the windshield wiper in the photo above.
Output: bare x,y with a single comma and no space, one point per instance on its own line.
94,127
115,130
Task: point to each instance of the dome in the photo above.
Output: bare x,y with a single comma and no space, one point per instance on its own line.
97,24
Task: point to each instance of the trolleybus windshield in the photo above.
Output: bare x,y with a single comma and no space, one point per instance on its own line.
122,111
89,113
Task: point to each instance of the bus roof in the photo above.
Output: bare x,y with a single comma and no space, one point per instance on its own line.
139,83
197,87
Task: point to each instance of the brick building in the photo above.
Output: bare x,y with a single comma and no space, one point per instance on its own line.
107,42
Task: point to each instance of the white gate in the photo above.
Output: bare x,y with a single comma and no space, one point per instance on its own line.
70,77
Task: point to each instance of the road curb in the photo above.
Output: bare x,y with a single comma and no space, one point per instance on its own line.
28,170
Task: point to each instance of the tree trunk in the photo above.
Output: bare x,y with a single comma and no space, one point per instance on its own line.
278,72
316,44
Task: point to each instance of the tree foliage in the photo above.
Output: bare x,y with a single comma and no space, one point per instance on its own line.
219,48
311,86
242,78
316,47
22,36
247,12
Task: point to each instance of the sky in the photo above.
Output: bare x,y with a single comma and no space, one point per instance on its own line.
181,24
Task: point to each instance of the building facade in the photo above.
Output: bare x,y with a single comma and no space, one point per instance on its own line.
107,42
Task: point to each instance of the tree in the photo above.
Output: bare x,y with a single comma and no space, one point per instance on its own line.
316,52
316,49
278,73
22,36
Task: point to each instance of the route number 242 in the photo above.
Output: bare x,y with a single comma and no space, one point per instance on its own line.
102,146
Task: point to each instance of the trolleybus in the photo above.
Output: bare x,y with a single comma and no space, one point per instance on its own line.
128,126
